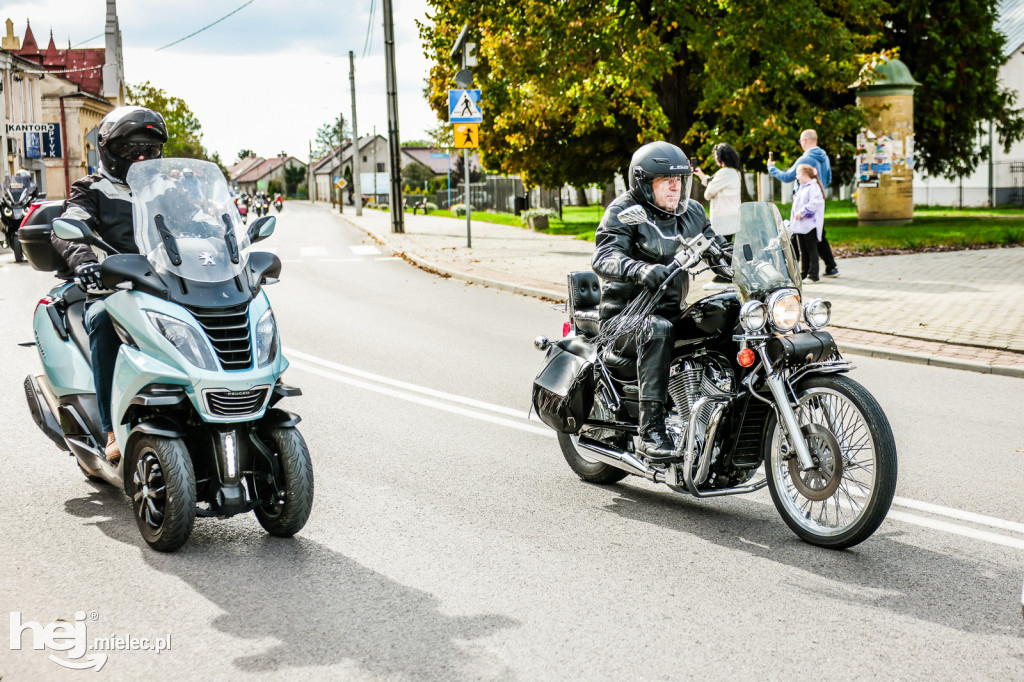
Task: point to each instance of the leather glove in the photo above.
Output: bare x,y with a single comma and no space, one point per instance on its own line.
89,275
653,276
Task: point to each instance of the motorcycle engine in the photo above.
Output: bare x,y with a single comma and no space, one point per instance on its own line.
689,380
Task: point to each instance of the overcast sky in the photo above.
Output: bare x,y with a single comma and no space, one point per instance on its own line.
266,77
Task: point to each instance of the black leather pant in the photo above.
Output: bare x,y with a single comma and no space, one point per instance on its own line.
652,345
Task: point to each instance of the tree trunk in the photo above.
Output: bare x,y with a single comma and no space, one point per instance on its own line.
581,197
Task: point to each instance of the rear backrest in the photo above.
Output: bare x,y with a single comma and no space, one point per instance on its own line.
584,291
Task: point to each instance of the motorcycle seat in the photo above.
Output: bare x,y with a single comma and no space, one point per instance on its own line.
584,297
76,328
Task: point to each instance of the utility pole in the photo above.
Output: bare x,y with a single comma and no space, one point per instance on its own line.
394,144
356,154
309,175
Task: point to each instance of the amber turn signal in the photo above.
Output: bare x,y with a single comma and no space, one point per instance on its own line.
745,357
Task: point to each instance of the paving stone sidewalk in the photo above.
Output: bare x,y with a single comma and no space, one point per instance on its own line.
962,309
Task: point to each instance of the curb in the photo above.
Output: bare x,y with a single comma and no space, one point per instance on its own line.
926,359
555,296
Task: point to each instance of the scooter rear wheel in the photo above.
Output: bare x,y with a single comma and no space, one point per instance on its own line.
162,488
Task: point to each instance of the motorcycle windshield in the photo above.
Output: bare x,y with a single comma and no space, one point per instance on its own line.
762,257
185,221
20,187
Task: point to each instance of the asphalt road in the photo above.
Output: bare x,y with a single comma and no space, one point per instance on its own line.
449,540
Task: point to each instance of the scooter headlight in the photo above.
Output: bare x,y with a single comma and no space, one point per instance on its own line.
784,309
818,313
188,340
753,315
266,339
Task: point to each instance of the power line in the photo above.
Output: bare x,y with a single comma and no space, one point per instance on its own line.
207,26
90,40
369,29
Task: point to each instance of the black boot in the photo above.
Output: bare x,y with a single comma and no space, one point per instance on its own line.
655,444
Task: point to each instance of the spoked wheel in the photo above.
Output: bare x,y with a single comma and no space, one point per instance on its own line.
845,498
162,488
288,512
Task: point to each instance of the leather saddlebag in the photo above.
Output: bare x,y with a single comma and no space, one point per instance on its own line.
563,392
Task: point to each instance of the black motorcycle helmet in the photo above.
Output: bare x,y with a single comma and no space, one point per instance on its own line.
126,134
658,160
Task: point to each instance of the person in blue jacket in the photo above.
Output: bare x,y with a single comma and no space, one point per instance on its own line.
813,156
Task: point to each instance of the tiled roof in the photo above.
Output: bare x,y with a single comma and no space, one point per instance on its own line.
264,168
74,63
438,165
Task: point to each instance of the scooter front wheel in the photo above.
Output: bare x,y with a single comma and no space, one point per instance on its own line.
289,511
162,488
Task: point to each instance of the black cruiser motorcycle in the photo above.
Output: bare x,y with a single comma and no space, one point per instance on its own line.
758,394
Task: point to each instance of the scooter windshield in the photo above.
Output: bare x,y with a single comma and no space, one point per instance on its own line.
19,186
762,257
185,221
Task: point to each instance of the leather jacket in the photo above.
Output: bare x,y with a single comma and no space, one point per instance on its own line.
105,205
623,250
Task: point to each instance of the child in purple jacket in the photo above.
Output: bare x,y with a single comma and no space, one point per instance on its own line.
808,219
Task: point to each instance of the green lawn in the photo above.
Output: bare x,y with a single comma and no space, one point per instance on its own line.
932,226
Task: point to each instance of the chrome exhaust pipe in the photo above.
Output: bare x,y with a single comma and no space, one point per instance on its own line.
620,459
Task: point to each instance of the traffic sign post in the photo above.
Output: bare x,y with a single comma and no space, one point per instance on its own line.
465,114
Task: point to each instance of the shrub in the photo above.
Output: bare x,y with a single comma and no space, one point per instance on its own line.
431,206
459,210
1011,235
537,213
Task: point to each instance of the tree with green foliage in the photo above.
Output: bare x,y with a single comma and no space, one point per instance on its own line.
245,153
416,143
953,49
572,88
184,132
416,175
329,136
293,177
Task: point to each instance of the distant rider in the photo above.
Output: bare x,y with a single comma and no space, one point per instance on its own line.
104,202
629,258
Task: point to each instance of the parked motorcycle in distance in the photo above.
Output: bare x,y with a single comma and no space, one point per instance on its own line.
198,373
758,393
16,194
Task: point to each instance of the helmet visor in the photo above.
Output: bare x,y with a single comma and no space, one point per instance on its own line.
136,151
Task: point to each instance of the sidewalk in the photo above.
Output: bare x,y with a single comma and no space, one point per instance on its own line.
963,309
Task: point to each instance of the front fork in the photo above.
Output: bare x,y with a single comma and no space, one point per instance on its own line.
777,385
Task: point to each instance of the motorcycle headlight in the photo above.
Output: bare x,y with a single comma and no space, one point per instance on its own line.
7,211
753,315
266,339
817,313
784,309
188,340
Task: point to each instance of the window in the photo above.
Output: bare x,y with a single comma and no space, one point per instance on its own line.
364,158
381,168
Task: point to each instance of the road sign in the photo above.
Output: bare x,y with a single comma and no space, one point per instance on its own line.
340,183
467,135
464,106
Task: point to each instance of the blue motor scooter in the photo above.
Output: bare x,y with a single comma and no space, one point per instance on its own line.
198,373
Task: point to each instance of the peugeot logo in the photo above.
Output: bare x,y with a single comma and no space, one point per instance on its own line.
206,258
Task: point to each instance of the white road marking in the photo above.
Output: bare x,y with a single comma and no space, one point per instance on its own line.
365,250
312,251
341,260
429,397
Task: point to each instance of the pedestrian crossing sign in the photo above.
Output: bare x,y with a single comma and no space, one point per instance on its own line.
464,106
467,135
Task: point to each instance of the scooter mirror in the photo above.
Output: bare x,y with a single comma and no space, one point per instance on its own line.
72,230
262,228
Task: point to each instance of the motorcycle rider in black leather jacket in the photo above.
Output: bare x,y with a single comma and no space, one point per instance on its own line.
629,258
103,202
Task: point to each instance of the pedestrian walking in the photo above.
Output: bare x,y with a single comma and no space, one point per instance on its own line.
813,156
722,190
806,221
